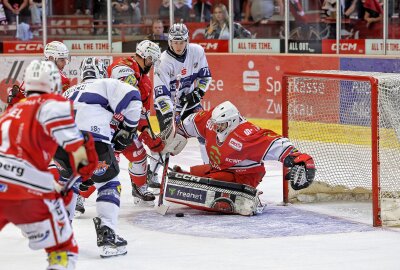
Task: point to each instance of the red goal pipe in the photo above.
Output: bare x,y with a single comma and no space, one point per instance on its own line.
376,209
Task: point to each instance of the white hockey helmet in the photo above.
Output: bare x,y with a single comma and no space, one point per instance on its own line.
178,31
149,51
224,119
124,74
42,76
92,68
56,50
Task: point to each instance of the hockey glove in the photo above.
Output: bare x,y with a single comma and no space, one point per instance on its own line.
86,170
155,145
300,170
13,93
85,185
123,137
192,98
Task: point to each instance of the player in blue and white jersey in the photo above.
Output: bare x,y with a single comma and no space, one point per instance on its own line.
180,82
95,101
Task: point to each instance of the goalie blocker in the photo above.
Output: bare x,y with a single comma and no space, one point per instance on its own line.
211,195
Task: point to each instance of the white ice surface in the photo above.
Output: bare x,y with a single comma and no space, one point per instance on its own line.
356,245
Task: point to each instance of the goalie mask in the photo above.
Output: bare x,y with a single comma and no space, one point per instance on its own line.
224,119
178,32
92,68
150,53
42,76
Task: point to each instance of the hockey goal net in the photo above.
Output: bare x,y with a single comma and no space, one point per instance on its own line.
349,122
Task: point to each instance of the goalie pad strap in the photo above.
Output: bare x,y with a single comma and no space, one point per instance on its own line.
215,183
211,195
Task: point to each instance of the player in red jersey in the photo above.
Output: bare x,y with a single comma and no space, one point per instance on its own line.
57,52
31,133
237,149
54,51
134,71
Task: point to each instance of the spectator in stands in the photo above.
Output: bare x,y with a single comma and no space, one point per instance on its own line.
79,7
136,16
3,18
219,25
237,10
16,7
262,10
202,10
181,11
35,7
373,12
163,11
99,15
158,31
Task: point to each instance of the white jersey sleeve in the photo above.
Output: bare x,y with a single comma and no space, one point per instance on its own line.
96,101
56,119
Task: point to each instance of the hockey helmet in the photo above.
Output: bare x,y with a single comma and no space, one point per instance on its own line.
42,76
92,68
178,31
124,74
56,50
149,51
224,119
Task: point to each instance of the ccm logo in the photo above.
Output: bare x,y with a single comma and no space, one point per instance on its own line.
29,47
209,45
345,46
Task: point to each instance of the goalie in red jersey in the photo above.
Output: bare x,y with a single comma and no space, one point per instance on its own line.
237,150
31,133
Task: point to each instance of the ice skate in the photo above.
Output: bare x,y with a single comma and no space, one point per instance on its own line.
152,180
141,196
109,243
80,206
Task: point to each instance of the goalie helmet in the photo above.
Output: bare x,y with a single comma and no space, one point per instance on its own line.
42,76
92,68
149,51
224,119
178,31
56,50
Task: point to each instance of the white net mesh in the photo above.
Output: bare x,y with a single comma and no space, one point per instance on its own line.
330,119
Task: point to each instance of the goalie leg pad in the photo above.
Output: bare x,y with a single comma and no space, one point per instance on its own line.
211,195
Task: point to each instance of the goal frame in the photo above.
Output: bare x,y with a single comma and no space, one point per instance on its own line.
376,209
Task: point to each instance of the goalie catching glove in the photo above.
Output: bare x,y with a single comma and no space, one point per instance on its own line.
123,137
84,161
155,145
300,170
192,98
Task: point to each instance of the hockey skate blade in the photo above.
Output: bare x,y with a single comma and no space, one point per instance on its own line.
162,209
108,251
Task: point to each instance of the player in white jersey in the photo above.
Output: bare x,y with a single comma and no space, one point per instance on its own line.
96,100
180,83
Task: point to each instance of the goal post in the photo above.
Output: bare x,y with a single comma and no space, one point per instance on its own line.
349,122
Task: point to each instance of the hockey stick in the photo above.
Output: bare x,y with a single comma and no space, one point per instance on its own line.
158,161
162,208
69,184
